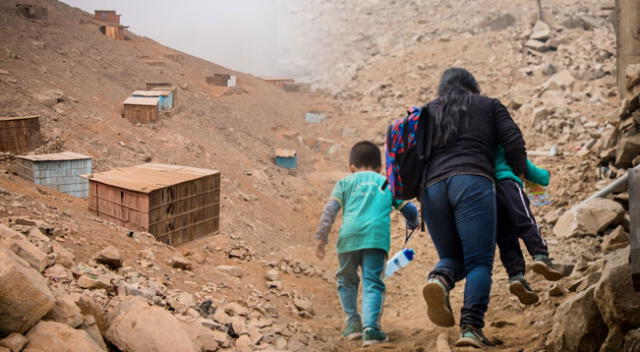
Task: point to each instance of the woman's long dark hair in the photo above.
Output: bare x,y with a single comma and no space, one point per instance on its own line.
457,85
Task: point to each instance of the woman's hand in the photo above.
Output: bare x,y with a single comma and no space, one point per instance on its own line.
320,249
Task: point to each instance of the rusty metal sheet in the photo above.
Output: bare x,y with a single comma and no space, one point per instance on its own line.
142,101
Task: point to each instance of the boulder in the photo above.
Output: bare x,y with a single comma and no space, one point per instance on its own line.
56,337
537,45
589,218
65,311
541,32
577,325
26,250
17,281
540,115
231,270
62,255
149,329
628,148
111,257
14,342
180,262
618,238
89,307
562,80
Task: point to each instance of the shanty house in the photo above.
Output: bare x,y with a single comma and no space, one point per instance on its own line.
141,109
222,80
35,12
19,134
107,16
165,97
176,204
113,31
165,86
61,171
286,158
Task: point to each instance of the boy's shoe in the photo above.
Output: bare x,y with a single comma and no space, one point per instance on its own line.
436,295
373,336
352,331
473,337
520,287
543,265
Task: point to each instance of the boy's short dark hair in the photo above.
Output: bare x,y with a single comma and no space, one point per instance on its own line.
365,154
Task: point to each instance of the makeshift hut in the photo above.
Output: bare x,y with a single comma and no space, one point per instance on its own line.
113,31
176,204
141,109
19,134
34,12
165,97
107,16
286,158
61,171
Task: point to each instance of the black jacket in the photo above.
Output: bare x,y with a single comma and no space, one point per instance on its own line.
488,125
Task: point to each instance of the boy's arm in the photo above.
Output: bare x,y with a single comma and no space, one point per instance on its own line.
410,213
327,219
537,174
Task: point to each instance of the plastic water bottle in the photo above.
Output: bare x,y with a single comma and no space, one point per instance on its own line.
400,260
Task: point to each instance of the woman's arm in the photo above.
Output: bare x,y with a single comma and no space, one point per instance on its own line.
508,135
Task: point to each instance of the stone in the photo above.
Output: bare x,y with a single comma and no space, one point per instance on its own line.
255,335
111,257
562,80
56,337
17,281
62,255
628,149
589,218
94,283
231,270
243,344
540,115
577,325
236,309
632,76
537,45
239,326
149,329
272,275
65,311
304,305
221,317
90,326
89,307
557,291
24,249
541,32
180,262
14,342
46,228
201,336
618,238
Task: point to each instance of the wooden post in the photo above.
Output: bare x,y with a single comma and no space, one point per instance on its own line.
540,11
634,215
628,38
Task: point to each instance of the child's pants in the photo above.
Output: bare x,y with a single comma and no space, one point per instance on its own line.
372,262
515,220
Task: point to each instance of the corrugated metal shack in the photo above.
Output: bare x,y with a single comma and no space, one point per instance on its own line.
19,134
145,109
59,171
34,12
176,204
286,158
165,86
107,16
113,31
165,97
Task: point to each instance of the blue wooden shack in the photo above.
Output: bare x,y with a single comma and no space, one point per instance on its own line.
60,171
287,159
165,97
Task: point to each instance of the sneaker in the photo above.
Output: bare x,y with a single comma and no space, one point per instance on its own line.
373,336
543,265
473,337
353,331
436,295
520,287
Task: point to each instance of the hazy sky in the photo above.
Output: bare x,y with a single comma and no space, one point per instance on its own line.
243,35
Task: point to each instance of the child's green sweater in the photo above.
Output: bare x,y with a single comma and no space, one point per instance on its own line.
534,173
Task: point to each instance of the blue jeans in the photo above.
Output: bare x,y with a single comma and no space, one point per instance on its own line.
460,212
372,262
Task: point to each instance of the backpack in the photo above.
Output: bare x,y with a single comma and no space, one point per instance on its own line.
407,150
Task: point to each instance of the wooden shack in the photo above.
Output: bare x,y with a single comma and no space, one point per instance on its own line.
107,16
60,171
34,12
165,86
19,134
628,39
113,31
141,109
286,158
222,80
176,204
165,97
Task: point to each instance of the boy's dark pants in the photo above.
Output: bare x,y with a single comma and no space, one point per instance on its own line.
515,220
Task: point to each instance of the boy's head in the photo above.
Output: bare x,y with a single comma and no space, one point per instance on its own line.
365,155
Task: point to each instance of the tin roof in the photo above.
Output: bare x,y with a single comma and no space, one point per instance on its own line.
142,101
150,93
11,118
149,177
285,153
55,157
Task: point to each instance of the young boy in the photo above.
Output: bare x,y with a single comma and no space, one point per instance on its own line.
363,241
515,220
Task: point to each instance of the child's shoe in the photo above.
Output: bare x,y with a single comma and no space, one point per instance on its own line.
436,294
353,331
543,265
473,337
373,336
520,287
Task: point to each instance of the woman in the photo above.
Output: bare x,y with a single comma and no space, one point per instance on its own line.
459,201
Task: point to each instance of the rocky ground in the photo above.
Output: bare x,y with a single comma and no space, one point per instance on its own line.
72,282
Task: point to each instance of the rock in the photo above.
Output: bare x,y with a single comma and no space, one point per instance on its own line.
231,270
577,325
221,317
540,115
255,335
243,344
63,256
557,291
239,326
202,336
44,227
304,305
110,257
14,342
632,76
149,329
90,326
89,307
65,311
180,262
589,218
272,275
618,238
562,80
537,45
50,97
541,32
91,283
17,281
138,290
615,296
236,309
147,254
24,249
56,337
628,148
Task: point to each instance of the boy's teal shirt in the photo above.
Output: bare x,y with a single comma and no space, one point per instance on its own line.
534,173
366,208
